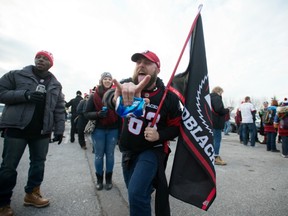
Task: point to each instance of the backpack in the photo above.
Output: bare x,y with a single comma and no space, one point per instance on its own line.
268,117
282,113
284,123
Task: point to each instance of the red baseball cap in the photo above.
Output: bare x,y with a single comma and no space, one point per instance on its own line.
147,54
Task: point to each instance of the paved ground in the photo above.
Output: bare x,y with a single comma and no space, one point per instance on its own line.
253,183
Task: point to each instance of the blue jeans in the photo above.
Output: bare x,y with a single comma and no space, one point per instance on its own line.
104,142
12,152
138,177
248,127
217,137
227,127
284,145
271,141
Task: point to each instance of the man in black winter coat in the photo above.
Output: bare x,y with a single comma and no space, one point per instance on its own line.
74,103
34,108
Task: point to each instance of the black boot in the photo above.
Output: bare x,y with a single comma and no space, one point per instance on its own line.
108,179
99,185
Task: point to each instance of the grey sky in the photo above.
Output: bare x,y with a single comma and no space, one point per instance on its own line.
246,41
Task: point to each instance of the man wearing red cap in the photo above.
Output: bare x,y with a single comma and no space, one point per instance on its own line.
34,106
144,148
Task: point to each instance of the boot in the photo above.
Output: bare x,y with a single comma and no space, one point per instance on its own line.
6,211
99,185
35,199
108,179
219,161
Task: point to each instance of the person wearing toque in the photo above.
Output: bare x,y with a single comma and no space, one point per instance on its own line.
34,110
106,133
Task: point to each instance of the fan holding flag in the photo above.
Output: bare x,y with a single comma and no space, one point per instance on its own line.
144,137
144,146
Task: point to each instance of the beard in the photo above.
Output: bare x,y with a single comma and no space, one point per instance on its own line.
150,83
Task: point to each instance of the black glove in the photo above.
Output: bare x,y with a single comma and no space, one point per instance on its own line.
102,114
58,137
34,96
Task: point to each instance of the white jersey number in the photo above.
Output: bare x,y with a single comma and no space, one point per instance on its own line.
135,125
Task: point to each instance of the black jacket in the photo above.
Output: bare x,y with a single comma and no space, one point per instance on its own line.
18,112
74,103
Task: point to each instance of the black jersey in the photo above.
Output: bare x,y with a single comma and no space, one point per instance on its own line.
167,123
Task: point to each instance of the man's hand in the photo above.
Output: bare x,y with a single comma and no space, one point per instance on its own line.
34,96
58,137
151,134
129,90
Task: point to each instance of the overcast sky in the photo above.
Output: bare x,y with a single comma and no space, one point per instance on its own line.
246,40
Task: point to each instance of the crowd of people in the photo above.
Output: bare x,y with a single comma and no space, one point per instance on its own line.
273,124
35,114
144,149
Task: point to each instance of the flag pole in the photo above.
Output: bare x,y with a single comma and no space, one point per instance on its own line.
176,66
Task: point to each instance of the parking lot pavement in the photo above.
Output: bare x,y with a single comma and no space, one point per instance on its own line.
69,183
254,182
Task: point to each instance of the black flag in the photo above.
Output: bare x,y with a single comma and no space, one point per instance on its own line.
193,178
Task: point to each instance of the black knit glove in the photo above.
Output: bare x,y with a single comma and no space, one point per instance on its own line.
102,114
34,96
58,137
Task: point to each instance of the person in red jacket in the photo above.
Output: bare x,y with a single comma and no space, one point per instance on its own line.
261,115
270,130
238,120
281,123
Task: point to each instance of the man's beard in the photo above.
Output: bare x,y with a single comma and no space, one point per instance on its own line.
149,84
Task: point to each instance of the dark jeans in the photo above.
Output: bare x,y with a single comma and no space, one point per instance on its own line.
138,177
240,132
217,137
73,128
81,123
271,141
12,153
284,145
248,127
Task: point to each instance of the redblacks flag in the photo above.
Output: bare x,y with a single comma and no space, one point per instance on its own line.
193,178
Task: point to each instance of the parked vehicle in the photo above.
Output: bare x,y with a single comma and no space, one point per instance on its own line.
258,122
233,124
232,121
